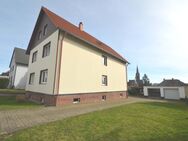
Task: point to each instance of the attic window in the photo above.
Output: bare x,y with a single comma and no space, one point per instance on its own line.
45,30
39,35
104,60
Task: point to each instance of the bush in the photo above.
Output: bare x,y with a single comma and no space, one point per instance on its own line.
135,91
4,83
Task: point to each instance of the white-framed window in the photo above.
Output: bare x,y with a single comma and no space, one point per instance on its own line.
39,35
46,50
31,78
43,76
104,60
34,57
45,30
104,80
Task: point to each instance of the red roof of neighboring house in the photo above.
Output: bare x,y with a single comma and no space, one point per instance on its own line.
75,31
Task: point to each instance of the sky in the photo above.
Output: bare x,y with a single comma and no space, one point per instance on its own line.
150,34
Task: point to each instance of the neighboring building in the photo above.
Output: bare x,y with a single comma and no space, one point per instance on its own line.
67,65
168,89
137,83
135,86
18,69
4,74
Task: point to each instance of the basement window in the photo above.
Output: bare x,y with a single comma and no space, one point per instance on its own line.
121,95
104,98
76,100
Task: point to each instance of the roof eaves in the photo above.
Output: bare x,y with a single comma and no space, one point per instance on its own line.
123,60
51,16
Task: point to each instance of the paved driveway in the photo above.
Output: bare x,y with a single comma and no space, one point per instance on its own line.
14,120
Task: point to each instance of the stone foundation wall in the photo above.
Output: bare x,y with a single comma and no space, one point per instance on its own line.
58,100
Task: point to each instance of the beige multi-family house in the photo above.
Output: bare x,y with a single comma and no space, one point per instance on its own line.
67,65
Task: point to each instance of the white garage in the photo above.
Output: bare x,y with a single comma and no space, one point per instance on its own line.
171,93
168,89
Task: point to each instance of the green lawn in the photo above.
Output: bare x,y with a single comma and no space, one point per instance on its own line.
133,122
12,91
9,102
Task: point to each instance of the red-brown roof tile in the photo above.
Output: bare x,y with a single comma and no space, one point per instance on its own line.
72,29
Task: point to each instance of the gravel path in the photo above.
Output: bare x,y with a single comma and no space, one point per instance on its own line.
14,120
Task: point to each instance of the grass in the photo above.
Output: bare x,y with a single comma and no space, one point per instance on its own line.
12,91
9,102
134,122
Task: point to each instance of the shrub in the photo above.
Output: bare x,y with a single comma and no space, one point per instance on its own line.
4,83
135,91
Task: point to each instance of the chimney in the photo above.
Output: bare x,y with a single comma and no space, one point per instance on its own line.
81,26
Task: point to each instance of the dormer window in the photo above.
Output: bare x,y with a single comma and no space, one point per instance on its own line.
39,35
45,30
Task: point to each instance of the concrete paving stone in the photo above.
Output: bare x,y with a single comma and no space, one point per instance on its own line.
14,120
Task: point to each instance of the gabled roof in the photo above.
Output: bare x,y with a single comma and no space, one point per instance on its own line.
172,83
75,31
20,56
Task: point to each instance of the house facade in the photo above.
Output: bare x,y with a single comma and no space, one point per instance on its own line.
168,89
18,69
67,65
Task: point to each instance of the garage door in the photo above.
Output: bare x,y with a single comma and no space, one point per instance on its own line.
171,94
154,92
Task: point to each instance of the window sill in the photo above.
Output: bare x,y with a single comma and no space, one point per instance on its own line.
104,85
43,83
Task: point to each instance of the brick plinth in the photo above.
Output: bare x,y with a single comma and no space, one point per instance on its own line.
65,99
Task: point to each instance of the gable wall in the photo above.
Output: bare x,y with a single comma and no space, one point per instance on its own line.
20,76
40,27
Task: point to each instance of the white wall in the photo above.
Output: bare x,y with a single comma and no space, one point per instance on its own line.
20,76
181,90
12,72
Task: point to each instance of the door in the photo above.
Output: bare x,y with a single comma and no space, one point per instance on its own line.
171,93
154,92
